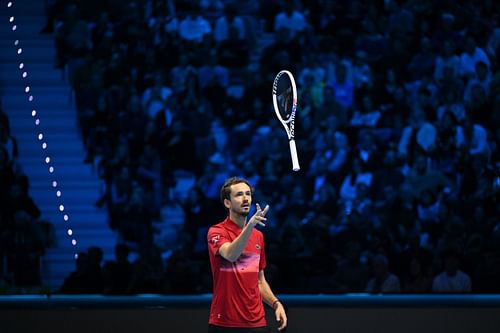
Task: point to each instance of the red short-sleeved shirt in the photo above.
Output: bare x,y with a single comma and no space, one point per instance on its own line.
236,301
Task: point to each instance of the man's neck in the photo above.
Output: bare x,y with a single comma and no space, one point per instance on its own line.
238,219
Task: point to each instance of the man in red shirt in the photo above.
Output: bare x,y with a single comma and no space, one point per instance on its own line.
237,258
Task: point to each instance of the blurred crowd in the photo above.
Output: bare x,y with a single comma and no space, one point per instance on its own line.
398,133
24,236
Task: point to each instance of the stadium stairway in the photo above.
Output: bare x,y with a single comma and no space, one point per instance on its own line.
51,93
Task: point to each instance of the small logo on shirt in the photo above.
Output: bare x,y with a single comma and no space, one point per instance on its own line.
215,239
257,246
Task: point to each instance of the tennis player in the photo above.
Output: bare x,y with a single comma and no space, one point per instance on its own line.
237,259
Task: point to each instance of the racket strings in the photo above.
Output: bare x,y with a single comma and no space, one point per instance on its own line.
285,100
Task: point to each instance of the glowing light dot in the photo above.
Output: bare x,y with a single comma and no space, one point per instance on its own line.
19,50
30,98
37,122
25,74
21,66
44,145
16,42
66,217
58,194
40,136
76,255
33,113
70,232
47,159
9,4
51,169
11,19
73,241
14,27
27,89
61,208
54,184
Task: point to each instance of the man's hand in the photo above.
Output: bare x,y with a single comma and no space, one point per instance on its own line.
280,316
259,216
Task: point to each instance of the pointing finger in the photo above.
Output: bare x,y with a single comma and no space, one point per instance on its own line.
266,209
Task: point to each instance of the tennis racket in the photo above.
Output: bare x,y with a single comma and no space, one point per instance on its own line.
285,106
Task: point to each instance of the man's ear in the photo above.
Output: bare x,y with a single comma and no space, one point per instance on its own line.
227,203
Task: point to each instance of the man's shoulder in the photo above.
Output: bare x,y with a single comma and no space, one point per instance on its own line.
215,233
217,227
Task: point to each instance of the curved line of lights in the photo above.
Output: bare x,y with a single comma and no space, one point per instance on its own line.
40,135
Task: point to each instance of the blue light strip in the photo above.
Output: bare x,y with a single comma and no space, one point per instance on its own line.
291,300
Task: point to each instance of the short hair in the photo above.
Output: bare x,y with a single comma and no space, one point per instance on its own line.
225,190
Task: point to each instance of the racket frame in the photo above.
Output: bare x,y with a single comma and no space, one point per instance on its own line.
288,124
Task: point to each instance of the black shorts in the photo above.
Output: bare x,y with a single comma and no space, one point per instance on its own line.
220,329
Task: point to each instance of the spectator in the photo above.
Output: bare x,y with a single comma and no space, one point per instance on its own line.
77,281
366,115
212,73
194,27
197,212
20,199
451,279
388,174
230,19
482,76
418,280
154,99
367,151
423,62
290,19
419,135
472,137
180,73
447,60
478,103
383,281
117,274
343,87
72,37
471,56
233,51
94,269
352,274
7,176
422,178
428,206
451,103
357,175
7,141
493,45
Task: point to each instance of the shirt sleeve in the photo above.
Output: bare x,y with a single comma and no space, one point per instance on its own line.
216,237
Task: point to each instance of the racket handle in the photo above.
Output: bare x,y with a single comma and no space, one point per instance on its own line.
295,158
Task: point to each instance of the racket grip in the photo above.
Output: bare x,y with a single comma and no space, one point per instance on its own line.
295,158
